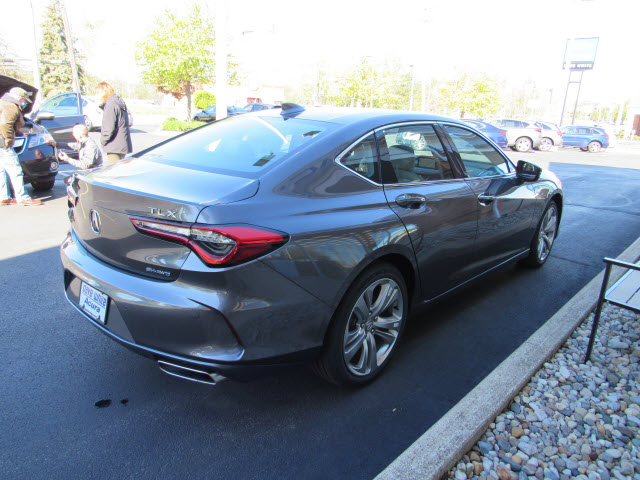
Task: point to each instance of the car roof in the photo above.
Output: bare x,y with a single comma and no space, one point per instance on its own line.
349,116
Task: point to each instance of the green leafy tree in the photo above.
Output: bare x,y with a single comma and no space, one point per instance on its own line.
178,55
466,95
55,70
204,99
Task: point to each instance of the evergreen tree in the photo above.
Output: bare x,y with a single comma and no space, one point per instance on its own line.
55,70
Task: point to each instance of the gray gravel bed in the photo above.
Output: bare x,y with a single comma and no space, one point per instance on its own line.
572,420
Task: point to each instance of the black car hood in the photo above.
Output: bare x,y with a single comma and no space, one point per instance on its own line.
7,83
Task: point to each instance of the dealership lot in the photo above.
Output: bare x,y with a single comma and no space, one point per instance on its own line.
78,405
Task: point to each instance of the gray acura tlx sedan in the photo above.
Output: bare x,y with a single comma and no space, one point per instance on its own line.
293,235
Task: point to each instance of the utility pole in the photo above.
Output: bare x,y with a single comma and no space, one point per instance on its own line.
221,59
70,49
36,60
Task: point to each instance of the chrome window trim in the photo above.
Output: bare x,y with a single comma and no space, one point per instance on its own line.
341,155
374,132
377,130
496,148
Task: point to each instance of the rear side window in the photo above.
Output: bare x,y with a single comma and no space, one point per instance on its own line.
476,154
413,153
242,144
363,159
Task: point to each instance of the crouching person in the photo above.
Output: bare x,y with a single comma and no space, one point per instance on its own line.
89,154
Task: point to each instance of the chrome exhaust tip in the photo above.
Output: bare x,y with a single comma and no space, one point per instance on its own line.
193,374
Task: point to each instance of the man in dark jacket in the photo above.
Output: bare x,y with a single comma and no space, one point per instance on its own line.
11,121
114,134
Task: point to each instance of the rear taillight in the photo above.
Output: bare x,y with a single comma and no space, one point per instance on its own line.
503,133
217,246
538,130
607,137
559,134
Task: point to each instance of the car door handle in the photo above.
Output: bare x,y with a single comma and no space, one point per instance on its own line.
410,200
486,199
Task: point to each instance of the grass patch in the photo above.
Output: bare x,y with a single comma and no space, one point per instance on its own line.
174,125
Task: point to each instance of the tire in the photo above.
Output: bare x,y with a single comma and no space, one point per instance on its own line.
372,314
544,237
43,185
546,144
523,144
88,123
584,149
594,146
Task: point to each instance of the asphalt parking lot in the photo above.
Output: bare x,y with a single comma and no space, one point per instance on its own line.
76,404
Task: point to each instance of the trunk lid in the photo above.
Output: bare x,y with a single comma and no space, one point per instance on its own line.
108,197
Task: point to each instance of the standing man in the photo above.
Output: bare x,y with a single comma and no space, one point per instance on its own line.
114,134
12,104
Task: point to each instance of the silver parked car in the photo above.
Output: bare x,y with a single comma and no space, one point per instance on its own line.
522,135
551,135
296,235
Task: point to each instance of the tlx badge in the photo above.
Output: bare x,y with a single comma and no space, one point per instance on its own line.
163,213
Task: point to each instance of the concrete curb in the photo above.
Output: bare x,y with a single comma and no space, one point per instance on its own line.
440,447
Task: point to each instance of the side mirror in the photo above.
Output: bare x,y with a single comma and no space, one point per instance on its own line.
528,172
43,116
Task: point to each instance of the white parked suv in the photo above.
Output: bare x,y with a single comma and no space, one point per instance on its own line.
522,135
551,135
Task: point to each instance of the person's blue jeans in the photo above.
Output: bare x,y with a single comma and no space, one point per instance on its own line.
11,170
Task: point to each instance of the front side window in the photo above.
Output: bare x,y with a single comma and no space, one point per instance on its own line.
477,155
413,153
363,159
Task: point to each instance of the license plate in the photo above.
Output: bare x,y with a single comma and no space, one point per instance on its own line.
93,303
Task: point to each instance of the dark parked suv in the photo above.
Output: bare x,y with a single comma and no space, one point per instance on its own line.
37,158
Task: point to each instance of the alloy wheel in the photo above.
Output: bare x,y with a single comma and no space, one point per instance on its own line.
523,144
594,147
546,144
373,327
547,233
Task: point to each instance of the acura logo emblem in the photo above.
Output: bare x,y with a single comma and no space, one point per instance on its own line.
95,222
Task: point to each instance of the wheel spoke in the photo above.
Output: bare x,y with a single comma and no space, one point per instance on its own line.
361,309
388,295
372,363
388,337
387,323
353,343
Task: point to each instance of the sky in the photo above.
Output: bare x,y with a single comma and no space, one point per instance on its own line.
512,41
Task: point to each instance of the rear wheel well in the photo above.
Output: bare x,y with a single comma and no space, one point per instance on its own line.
406,269
396,260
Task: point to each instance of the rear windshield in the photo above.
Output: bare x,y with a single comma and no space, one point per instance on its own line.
245,145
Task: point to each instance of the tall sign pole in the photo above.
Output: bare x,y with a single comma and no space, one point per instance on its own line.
579,55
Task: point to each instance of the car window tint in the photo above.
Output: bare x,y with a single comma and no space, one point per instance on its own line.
413,153
241,144
476,154
363,159
62,105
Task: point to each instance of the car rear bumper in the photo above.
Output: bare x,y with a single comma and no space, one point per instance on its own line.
241,322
